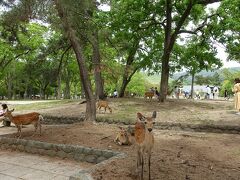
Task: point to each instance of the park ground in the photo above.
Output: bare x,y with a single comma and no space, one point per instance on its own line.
177,154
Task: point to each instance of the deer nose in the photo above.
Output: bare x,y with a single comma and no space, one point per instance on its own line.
149,129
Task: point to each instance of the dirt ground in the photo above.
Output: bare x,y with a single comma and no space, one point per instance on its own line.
176,155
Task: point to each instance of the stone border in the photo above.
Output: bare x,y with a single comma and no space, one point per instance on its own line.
73,152
48,119
214,128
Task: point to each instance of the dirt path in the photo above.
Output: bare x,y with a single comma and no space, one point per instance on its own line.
176,155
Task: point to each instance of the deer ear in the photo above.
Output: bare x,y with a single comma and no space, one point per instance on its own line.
154,115
140,116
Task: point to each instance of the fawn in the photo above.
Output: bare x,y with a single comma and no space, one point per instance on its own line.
123,137
25,119
103,104
144,140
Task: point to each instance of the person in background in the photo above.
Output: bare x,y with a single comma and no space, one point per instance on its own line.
176,91
215,92
156,92
226,94
6,122
115,94
236,90
208,92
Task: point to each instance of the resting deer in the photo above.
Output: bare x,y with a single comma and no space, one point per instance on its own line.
123,137
144,140
25,119
149,95
103,104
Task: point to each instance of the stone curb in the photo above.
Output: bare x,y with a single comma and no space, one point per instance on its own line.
48,119
214,128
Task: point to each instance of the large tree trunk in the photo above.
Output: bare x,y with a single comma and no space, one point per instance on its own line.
192,89
128,72
169,41
59,87
97,67
164,77
91,106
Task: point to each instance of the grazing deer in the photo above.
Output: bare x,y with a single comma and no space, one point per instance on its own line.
149,95
25,119
144,141
123,137
103,104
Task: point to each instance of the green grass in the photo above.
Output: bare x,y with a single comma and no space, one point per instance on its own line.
41,105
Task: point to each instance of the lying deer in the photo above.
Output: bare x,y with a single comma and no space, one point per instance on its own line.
144,141
25,119
149,95
103,104
123,137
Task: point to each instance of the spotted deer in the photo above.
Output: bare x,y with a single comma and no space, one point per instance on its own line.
144,141
103,104
25,119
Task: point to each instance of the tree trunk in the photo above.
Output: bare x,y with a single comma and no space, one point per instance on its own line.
97,67
192,89
123,86
59,88
164,77
67,87
91,106
127,75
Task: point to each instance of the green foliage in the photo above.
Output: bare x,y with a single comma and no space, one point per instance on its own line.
137,85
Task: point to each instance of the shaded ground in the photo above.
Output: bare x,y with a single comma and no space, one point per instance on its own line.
176,154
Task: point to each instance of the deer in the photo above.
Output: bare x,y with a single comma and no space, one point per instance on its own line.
25,119
123,137
103,104
144,139
149,95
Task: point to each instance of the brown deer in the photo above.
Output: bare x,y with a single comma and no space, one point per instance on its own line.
144,141
123,137
103,104
149,95
25,119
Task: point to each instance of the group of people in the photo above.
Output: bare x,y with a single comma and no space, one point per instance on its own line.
212,93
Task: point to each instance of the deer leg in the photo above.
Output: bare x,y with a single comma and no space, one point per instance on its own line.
40,127
149,166
105,109
19,131
142,162
138,163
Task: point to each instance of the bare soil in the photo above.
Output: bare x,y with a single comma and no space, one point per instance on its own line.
176,154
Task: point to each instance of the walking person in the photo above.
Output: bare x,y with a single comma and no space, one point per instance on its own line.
236,90
208,92
226,94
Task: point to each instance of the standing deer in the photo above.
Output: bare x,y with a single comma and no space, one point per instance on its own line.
144,141
25,119
103,104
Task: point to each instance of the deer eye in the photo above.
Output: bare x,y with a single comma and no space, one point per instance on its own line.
145,122
154,122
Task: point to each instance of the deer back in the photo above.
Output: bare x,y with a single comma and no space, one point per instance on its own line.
26,119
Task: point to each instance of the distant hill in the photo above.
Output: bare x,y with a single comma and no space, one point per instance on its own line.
155,79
